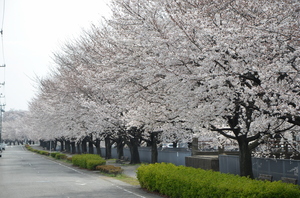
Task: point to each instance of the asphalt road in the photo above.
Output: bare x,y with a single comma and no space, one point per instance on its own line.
24,174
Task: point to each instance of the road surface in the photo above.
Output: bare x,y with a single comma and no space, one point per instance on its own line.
24,174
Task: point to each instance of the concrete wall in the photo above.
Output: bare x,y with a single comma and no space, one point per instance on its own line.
204,162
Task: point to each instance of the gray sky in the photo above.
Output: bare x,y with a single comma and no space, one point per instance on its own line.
32,31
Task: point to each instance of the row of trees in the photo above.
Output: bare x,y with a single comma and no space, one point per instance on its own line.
13,127
165,70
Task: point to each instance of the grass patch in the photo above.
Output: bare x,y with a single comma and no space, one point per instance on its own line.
111,160
127,179
123,178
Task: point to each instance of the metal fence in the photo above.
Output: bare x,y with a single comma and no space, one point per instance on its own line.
168,155
227,163
276,167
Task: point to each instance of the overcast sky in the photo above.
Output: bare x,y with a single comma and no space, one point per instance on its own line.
32,31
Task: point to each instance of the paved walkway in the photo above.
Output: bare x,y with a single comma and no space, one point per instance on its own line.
29,175
129,170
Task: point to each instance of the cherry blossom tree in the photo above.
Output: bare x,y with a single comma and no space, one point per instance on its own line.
176,66
231,66
14,127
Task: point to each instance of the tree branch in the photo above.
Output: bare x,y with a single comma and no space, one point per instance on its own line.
221,131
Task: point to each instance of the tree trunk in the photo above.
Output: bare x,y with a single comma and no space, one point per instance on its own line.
91,147
286,151
41,143
175,144
62,146
245,157
107,148
154,152
98,148
68,146
54,145
45,144
78,147
48,145
73,147
120,146
135,156
83,145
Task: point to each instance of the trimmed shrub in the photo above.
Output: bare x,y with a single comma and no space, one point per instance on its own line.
60,156
54,154
31,149
78,160
181,181
87,160
69,159
91,164
43,153
110,169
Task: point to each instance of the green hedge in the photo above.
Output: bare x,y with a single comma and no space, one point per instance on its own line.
61,156
180,181
89,161
91,164
36,151
110,169
43,152
54,154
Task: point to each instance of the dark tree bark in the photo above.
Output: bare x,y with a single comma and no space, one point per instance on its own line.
133,142
73,147
98,148
107,147
52,145
120,146
62,146
135,156
245,157
83,145
175,144
48,145
68,146
154,152
91,147
79,147
42,143
286,151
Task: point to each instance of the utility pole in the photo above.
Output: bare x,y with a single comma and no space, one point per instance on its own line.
1,111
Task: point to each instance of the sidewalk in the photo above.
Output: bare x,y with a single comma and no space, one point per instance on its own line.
129,170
